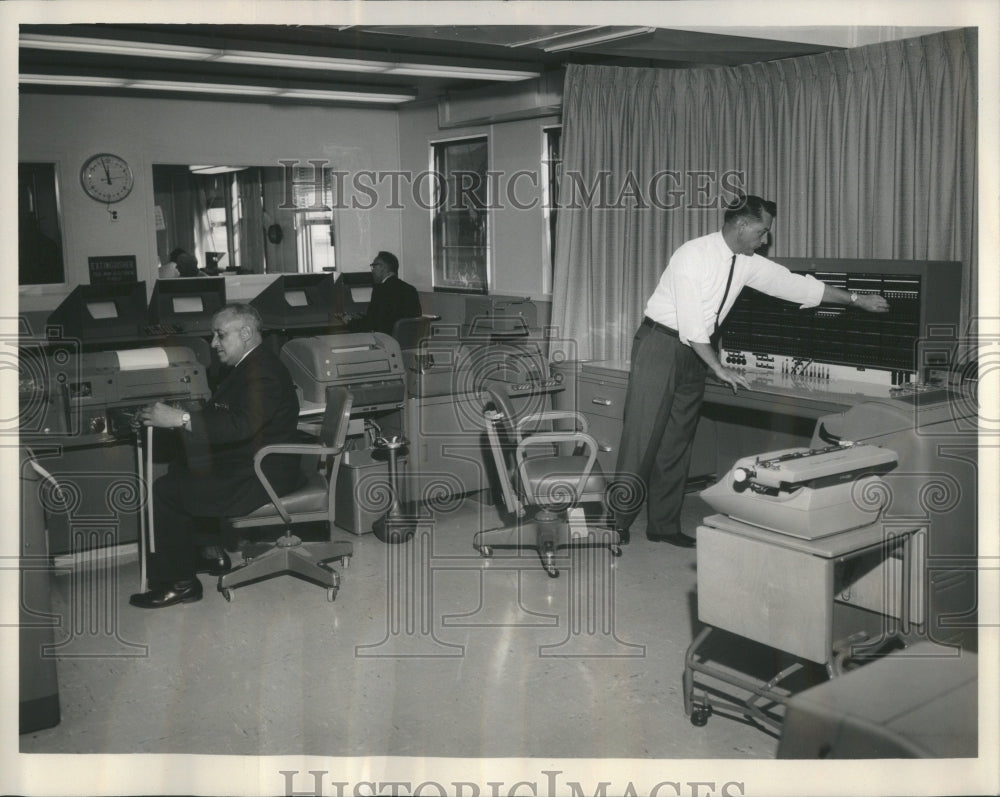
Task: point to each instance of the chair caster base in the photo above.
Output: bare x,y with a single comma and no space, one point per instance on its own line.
228,594
700,715
331,594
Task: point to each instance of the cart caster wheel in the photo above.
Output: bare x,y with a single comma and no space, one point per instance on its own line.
486,552
616,551
331,594
552,572
227,593
700,715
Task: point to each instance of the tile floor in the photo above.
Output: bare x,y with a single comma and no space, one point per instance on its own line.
428,650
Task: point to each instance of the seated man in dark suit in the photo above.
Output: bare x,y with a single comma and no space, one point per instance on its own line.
392,299
253,405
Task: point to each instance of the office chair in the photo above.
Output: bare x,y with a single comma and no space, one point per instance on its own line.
312,503
540,483
412,335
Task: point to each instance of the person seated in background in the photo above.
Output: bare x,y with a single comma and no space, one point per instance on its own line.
392,299
187,265
169,270
181,264
254,405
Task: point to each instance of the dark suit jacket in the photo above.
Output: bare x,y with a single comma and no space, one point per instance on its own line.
254,405
391,300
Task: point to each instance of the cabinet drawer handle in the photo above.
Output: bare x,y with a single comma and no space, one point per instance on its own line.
605,449
601,401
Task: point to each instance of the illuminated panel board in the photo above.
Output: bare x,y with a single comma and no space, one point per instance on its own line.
919,293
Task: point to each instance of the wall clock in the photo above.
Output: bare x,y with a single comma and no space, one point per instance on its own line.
106,178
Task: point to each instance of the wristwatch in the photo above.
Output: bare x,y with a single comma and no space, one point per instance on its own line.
854,298
185,419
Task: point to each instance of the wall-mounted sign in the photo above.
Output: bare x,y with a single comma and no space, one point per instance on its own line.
112,269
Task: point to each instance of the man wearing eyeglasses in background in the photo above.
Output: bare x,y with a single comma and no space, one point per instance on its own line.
392,299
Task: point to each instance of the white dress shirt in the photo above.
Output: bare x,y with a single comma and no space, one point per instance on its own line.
691,288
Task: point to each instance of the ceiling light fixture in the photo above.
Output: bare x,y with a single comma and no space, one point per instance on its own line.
470,73
79,44
278,92
200,88
264,58
587,41
260,58
73,80
344,96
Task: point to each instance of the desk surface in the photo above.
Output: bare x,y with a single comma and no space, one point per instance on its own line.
792,395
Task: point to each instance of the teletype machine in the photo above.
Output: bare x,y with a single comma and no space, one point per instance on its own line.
370,365
77,411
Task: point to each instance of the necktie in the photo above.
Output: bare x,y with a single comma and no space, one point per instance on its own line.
725,295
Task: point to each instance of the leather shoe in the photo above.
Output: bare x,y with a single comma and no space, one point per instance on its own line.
187,591
678,539
215,565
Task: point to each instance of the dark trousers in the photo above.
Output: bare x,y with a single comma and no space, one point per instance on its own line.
187,505
665,390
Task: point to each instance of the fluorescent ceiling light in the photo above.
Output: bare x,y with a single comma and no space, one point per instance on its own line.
219,88
78,44
201,88
347,96
73,80
298,61
587,41
469,73
263,58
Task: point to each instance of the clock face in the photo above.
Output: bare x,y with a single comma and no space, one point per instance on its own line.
106,178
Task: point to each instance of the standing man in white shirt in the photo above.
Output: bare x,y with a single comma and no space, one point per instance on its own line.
672,353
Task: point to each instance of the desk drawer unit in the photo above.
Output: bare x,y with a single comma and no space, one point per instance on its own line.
602,401
600,396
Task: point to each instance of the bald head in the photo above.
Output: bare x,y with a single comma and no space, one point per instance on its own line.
236,329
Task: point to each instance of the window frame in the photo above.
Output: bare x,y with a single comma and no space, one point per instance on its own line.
550,201
60,239
440,222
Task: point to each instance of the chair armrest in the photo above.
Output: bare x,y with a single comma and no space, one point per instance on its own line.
555,415
286,448
549,438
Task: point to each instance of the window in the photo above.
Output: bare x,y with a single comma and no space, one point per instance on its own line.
313,198
40,254
460,221
552,171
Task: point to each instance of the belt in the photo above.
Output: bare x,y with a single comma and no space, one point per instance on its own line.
649,322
